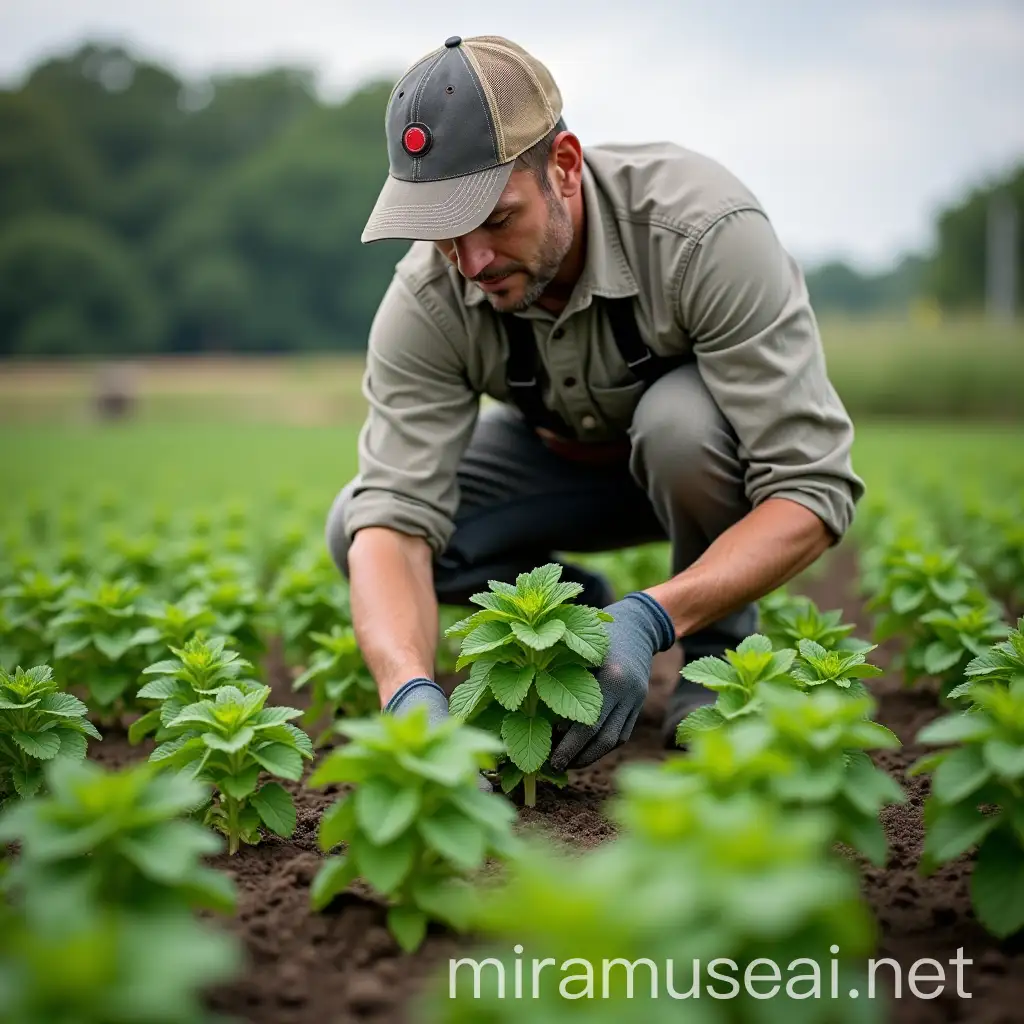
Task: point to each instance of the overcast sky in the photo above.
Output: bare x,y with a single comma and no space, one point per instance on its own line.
853,120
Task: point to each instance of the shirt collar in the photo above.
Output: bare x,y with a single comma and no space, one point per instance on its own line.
605,271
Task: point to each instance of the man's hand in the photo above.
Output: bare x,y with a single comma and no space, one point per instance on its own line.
639,630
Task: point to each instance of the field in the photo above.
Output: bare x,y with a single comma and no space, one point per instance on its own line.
219,490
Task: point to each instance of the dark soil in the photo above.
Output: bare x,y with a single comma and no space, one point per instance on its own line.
342,965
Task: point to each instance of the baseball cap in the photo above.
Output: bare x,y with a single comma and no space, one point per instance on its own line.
456,122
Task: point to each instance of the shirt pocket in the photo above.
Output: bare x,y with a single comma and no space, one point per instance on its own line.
615,406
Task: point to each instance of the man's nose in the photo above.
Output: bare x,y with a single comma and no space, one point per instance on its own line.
473,255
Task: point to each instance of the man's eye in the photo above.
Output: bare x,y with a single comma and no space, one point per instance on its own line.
493,225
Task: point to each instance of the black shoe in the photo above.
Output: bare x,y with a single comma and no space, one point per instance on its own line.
687,696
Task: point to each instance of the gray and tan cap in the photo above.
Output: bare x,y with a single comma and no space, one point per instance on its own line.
455,124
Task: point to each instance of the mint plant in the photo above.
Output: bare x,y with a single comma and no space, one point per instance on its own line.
788,619
340,681
815,666
120,837
416,825
199,669
28,603
38,723
734,879
97,644
977,800
738,680
1002,664
531,655
947,640
170,624
228,743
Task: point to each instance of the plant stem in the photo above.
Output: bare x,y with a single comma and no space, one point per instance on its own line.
232,825
530,789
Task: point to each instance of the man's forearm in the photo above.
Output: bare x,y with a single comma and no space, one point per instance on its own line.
394,607
770,545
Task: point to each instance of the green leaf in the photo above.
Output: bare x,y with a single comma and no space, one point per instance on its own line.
866,835
454,836
338,823
951,593
545,635
72,744
276,809
952,831
1005,758
384,867
333,878
510,684
699,720
468,696
486,637
167,852
385,809
957,728
143,726
528,740
584,633
113,647
488,809
241,785
713,673
158,689
962,773
43,745
280,760
62,704
572,692
997,885
229,744
906,598
939,658
409,927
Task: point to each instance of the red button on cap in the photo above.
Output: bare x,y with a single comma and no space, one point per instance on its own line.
415,139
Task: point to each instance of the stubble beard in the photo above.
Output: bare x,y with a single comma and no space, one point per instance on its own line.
554,249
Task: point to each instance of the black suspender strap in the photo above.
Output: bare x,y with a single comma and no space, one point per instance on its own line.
524,375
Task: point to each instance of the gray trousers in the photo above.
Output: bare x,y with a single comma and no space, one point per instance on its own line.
521,504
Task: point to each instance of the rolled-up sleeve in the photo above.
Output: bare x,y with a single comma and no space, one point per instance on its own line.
420,417
744,302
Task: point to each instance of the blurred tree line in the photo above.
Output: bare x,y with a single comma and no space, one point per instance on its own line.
141,212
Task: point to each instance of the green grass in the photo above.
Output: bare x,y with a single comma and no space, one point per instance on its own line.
186,467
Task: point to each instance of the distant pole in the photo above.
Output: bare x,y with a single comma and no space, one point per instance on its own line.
1001,268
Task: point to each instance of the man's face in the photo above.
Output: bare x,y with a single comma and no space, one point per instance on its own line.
516,253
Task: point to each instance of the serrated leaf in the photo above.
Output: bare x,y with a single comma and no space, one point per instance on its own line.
510,684
528,740
468,696
907,598
42,745
276,809
571,692
73,744
699,720
62,704
158,689
714,673
241,785
939,658
385,867
485,638
280,760
584,633
546,634
229,744
962,773
143,726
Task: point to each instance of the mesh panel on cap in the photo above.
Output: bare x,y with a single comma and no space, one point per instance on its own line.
525,108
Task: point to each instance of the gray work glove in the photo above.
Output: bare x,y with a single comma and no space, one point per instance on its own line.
426,693
640,629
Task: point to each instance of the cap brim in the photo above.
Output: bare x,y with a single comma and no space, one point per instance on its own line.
432,210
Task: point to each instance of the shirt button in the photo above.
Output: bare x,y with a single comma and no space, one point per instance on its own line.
569,382
589,422
558,332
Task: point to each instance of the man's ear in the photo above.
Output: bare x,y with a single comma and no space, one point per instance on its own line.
566,164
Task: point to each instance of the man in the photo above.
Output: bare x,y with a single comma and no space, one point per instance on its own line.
657,371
